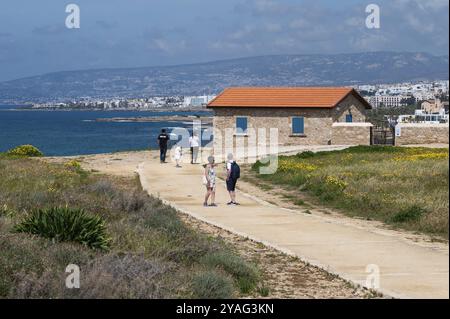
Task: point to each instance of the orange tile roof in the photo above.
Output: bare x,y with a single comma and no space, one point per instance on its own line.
308,97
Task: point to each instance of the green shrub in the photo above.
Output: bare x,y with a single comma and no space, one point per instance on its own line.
299,202
305,154
25,151
73,164
245,274
65,224
264,291
412,213
372,149
6,211
212,285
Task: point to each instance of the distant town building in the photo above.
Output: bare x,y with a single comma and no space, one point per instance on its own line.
434,106
197,101
387,100
431,111
384,94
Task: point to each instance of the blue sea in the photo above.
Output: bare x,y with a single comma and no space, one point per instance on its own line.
58,133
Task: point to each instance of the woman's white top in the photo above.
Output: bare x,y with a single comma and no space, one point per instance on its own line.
194,141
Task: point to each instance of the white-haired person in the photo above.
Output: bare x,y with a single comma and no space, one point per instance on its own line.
233,174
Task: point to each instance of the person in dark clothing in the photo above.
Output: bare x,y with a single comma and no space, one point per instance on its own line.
233,174
163,139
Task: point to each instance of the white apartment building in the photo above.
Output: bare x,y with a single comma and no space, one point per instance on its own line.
197,100
386,100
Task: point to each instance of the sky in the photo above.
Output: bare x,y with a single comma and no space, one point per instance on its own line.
34,38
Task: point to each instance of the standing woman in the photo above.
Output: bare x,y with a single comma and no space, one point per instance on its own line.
210,182
194,143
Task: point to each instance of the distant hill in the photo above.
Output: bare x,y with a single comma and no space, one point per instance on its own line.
212,77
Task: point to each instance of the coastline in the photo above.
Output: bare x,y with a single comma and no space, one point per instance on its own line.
147,119
155,110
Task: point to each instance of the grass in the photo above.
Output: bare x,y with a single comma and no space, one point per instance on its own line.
404,187
151,252
245,275
212,285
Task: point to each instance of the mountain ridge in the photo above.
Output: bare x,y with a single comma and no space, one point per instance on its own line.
213,76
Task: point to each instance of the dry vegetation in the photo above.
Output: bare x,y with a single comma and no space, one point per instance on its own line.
153,252
403,187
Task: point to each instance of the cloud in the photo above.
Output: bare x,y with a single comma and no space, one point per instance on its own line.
274,27
103,24
212,30
299,23
369,42
424,5
309,27
170,41
49,30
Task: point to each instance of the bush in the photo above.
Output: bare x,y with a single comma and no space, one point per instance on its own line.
245,274
65,224
103,187
412,213
372,149
25,151
130,202
305,154
212,285
73,164
264,291
5,210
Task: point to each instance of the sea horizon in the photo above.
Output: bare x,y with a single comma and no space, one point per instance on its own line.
77,132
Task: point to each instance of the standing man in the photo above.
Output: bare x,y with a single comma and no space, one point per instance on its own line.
194,143
163,139
233,174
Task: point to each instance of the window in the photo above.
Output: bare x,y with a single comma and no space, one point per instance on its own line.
349,118
298,125
241,125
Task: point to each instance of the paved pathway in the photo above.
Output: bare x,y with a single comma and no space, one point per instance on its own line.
406,269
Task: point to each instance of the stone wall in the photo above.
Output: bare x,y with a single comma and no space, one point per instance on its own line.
421,133
350,105
351,133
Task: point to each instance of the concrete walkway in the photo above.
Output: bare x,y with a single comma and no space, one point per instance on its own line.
406,269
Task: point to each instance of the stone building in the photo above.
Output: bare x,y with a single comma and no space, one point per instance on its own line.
435,106
302,116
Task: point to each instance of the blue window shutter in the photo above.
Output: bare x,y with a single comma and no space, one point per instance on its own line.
298,125
241,125
349,118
